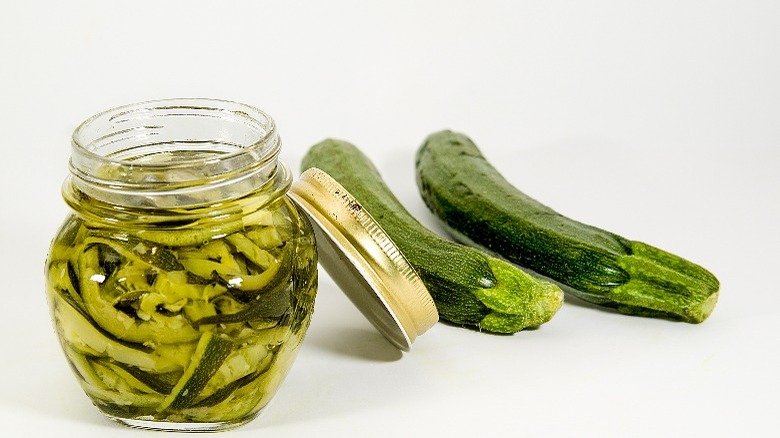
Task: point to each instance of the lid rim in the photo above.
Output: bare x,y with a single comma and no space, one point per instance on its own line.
385,275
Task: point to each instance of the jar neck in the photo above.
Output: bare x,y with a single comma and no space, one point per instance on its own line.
173,157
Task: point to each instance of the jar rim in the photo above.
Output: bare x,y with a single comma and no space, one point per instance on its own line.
173,152
191,103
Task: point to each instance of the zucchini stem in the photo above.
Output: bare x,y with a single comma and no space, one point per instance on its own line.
665,284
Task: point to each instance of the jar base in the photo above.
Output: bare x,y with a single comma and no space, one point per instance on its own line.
172,426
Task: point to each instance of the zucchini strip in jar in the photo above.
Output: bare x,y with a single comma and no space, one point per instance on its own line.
84,338
241,395
179,238
233,279
160,383
131,381
133,248
69,234
79,363
100,304
251,251
268,299
261,214
226,391
208,264
111,396
211,352
65,283
243,366
267,237
268,305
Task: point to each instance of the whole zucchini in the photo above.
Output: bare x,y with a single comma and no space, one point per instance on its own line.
469,287
480,207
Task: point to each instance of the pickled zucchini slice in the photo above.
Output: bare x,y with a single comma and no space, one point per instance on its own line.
211,351
82,336
100,304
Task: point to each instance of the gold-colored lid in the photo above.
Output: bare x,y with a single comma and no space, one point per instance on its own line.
363,261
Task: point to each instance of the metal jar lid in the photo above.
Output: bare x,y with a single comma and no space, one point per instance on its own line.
363,261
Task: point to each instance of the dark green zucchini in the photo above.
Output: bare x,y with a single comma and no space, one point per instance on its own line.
482,208
469,287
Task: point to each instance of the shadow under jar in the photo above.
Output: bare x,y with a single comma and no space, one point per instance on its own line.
183,281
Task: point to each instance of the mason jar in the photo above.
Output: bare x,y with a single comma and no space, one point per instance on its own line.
183,281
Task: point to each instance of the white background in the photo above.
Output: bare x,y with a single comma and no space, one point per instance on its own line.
656,120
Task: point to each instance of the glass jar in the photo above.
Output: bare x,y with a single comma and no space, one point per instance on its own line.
183,281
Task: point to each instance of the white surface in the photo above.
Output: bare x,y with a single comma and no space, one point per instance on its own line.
658,121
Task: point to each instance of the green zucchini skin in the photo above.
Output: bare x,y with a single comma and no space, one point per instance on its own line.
479,206
469,287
